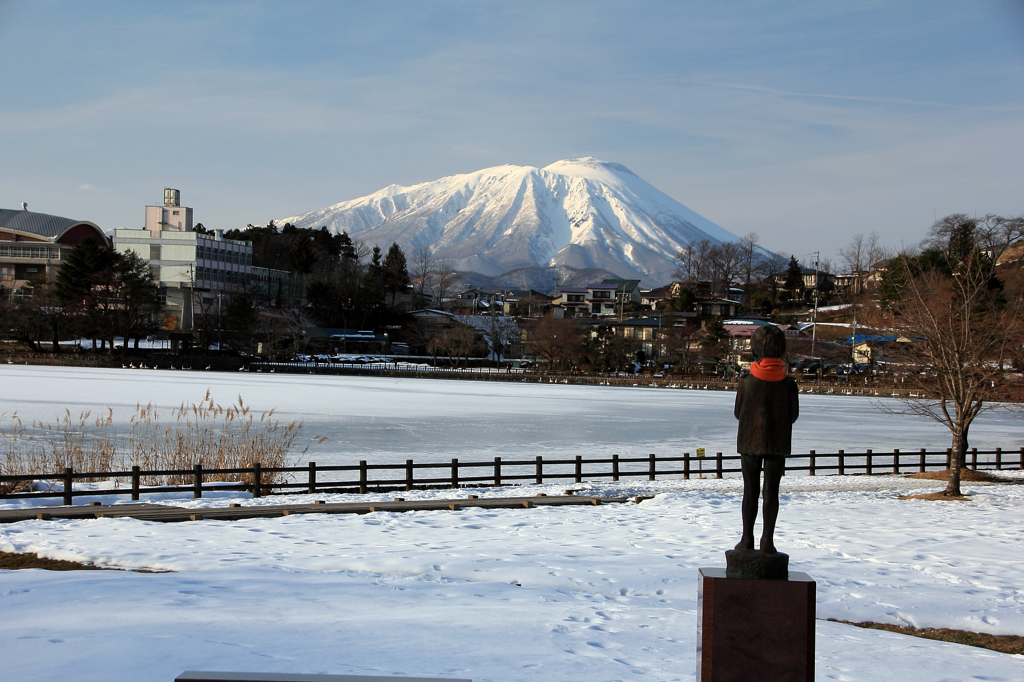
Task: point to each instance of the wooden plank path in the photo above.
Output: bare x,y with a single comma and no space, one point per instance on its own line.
169,514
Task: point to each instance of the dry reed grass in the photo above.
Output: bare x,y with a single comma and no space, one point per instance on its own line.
204,433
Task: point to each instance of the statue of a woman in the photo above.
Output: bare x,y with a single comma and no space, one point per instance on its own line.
767,404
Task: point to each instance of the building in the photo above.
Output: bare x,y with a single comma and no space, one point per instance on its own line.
34,245
573,301
192,269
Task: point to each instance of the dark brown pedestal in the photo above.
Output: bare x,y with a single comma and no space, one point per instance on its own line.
751,629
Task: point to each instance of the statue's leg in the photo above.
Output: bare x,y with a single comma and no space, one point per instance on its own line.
751,483
773,468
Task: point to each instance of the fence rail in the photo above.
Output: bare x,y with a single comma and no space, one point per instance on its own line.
365,477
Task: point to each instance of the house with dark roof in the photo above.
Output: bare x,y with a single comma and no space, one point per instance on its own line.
33,245
573,300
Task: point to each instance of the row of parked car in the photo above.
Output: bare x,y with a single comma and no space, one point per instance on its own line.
811,366
339,359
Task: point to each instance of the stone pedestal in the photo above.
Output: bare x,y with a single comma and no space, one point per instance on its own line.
749,563
754,629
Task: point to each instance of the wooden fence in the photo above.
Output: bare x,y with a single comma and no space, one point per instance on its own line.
365,477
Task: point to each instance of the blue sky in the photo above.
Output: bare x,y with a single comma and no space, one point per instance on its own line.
805,122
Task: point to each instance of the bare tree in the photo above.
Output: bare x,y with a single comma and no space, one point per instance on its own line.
421,272
681,345
501,332
859,256
461,341
725,260
749,258
555,340
694,262
443,282
948,304
772,269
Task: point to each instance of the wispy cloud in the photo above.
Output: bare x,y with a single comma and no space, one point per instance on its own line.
853,98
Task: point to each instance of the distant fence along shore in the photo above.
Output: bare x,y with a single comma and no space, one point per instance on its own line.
365,477
398,366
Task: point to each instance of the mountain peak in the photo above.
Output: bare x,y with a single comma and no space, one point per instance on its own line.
585,166
581,213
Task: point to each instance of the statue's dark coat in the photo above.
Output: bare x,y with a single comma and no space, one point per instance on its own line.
766,410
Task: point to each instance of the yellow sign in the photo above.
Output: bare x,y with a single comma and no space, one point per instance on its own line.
700,452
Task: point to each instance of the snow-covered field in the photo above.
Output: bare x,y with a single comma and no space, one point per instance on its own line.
570,593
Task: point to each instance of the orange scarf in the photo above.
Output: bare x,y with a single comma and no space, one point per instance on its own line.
768,369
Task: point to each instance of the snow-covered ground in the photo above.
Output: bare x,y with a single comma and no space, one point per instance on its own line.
571,593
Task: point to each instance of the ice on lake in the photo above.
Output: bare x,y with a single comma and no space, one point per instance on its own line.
386,420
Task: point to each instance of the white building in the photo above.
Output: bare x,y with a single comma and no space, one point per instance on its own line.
192,269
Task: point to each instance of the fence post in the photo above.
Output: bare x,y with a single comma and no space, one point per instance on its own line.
810,468
197,481
455,472
408,474
257,480
1021,460
974,458
842,463
497,471
540,470
68,483
718,465
686,466
579,468
999,459
867,462
896,460
311,483
921,466
135,482
949,458
362,477
615,467
651,473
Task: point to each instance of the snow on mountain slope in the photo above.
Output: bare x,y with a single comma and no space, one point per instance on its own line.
583,213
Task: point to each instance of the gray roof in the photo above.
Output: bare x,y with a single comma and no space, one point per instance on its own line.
41,224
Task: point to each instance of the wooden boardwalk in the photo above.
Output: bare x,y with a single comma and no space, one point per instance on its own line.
169,514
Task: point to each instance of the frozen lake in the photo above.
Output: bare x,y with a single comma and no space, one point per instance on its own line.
385,420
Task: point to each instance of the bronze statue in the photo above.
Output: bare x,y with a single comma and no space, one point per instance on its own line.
767,404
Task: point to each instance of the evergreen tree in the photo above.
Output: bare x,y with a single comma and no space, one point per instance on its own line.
137,294
302,255
372,287
89,262
794,276
85,287
241,320
346,247
395,273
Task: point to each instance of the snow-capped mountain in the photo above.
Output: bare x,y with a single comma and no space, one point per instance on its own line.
583,213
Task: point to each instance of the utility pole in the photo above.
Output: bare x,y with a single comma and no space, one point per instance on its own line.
853,337
621,291
814,319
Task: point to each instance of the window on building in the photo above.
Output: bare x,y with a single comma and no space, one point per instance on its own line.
154,252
